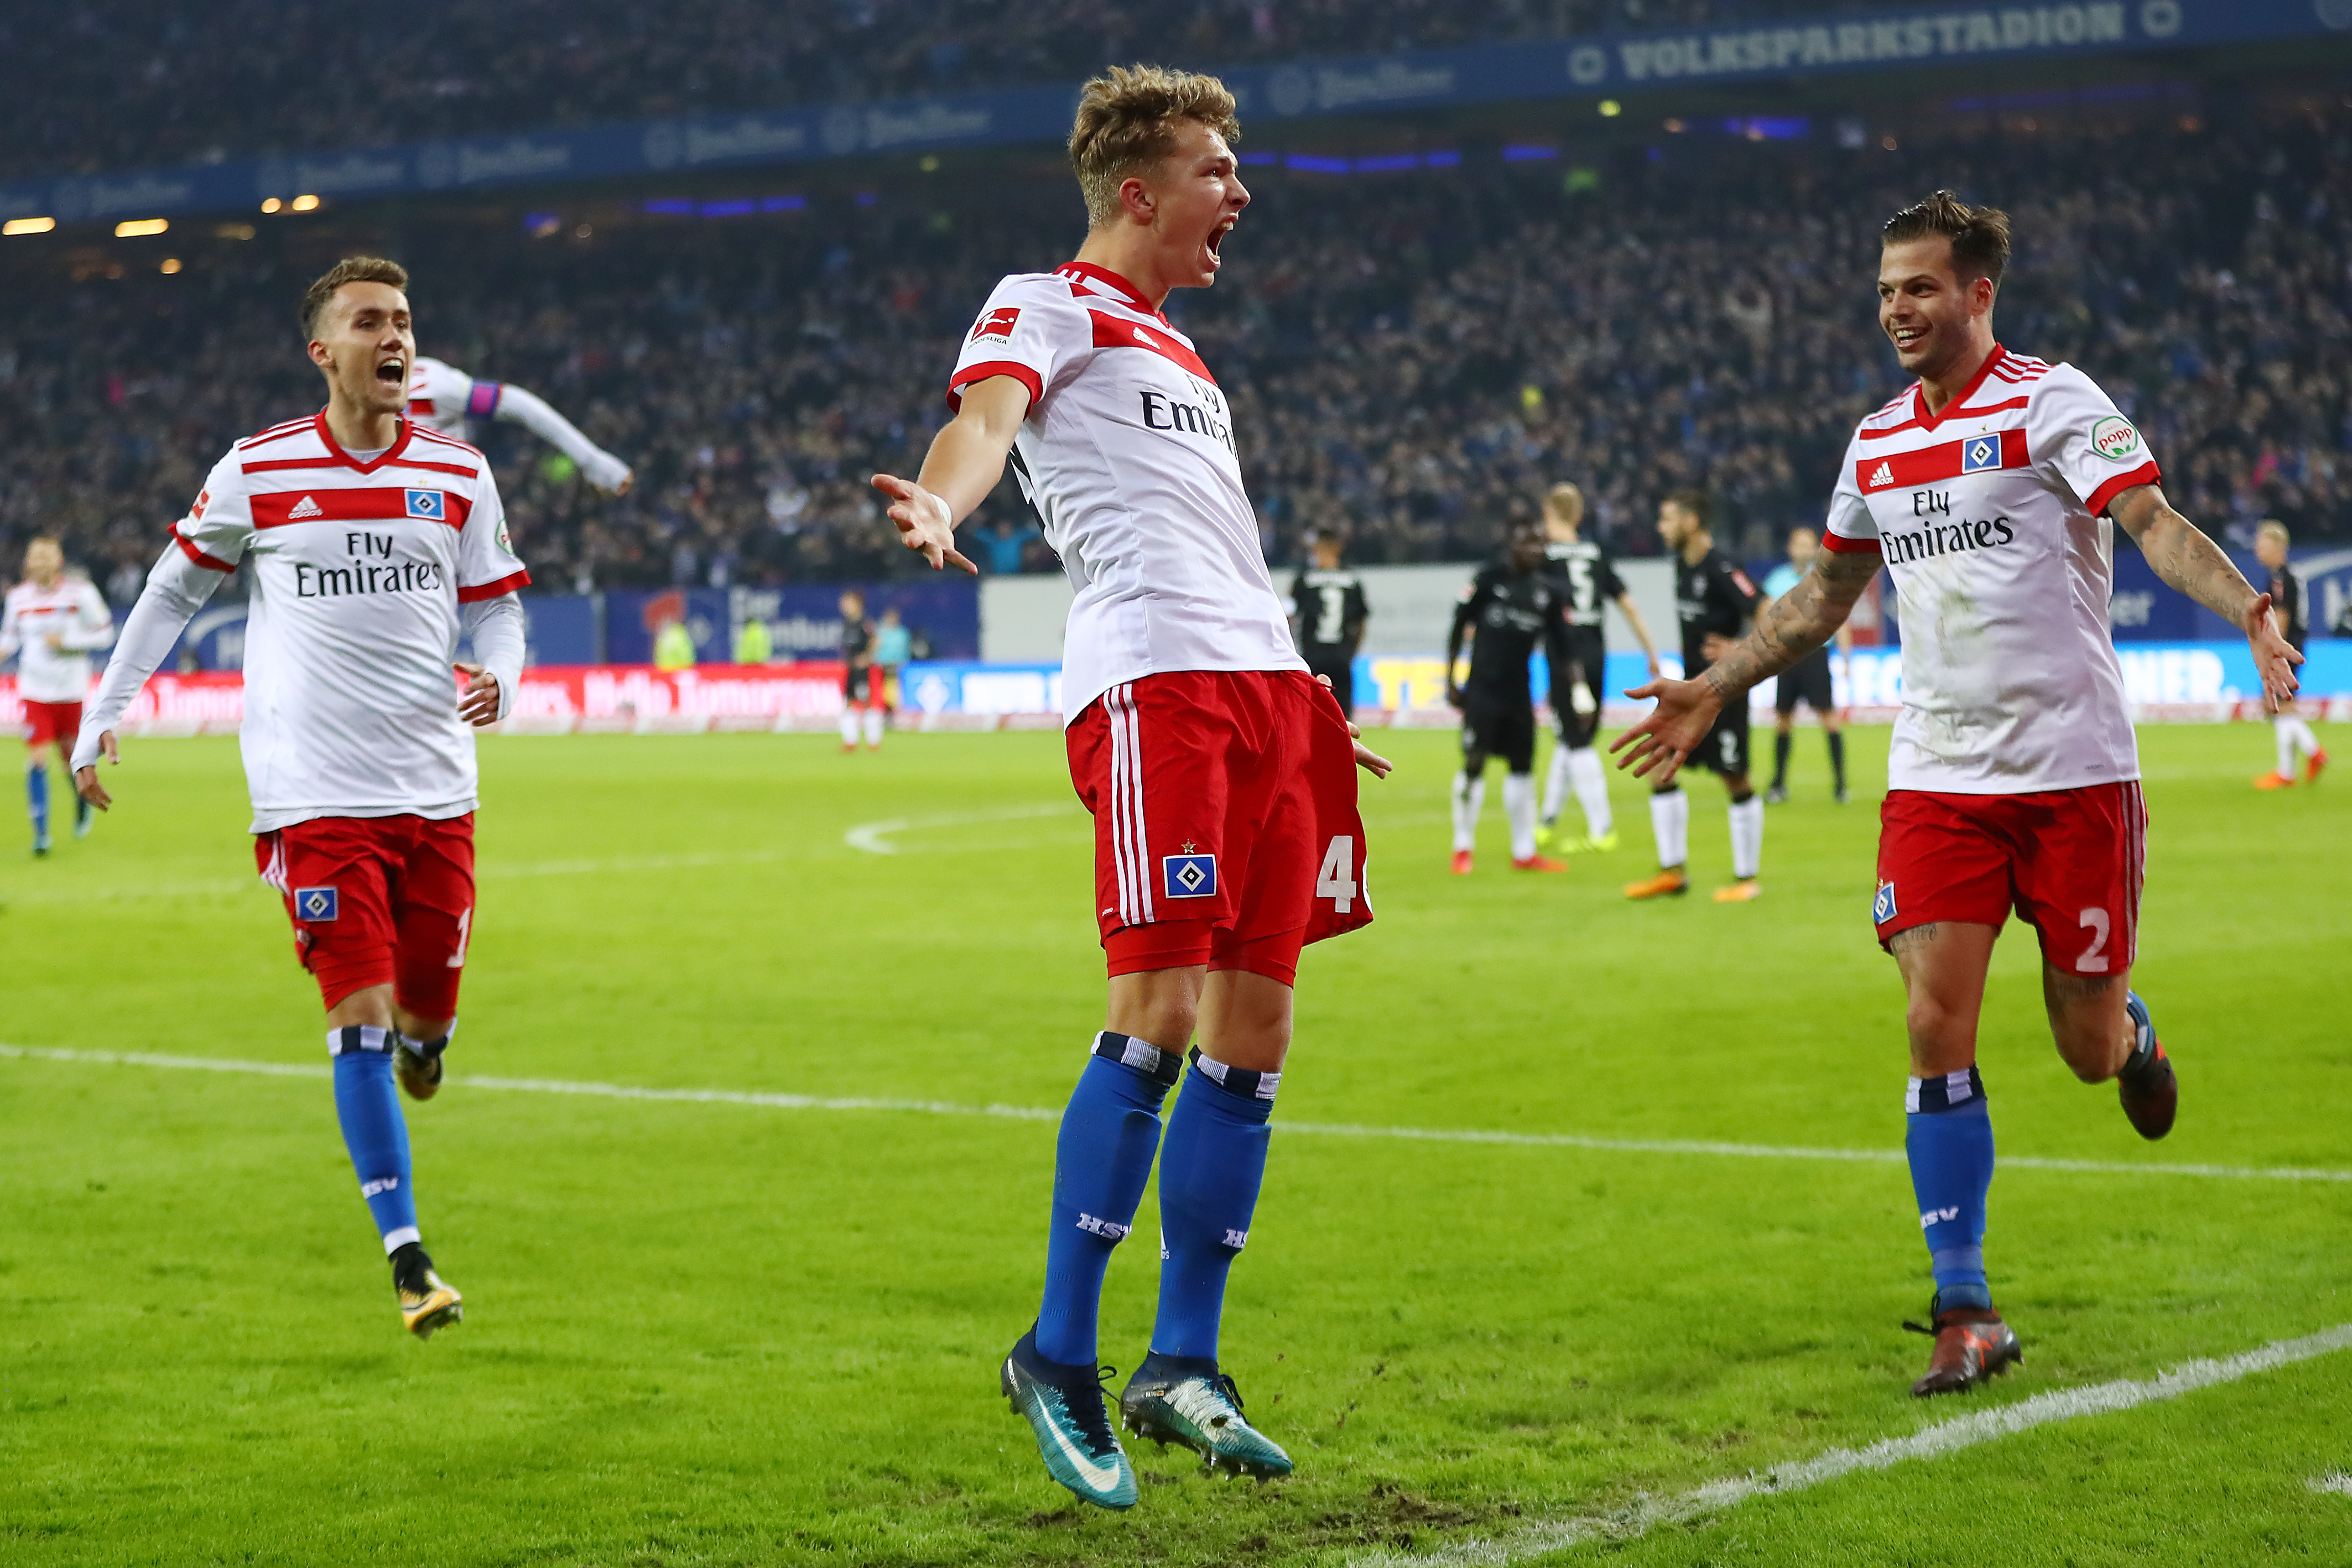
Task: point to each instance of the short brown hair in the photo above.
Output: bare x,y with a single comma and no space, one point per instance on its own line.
1694,502
1126,122
1980,235
351,269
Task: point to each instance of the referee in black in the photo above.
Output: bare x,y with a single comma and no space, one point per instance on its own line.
1327,612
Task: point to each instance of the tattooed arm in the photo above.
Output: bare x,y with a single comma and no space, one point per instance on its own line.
1793,625
2186,559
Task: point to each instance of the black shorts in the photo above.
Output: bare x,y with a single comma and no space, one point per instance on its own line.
1500,727
1725,750
1808,678
1340,670
1577,692
862,684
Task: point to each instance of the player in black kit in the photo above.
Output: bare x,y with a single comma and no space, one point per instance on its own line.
1507,609
861,678
1578,652
2293,612
1715,599
1326,616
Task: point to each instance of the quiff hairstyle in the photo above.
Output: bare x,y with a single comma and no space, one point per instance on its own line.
1564,501
1127,120
2272,528
1980,235
351,269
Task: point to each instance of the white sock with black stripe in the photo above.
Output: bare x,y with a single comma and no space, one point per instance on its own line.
1469,799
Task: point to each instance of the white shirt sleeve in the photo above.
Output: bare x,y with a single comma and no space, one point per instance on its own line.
219,525
177,589
92,626
495,625
1030,329
2074,433
449,389
10,641
487,566
508,400
1851,526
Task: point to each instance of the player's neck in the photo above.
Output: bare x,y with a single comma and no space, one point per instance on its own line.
357,429
1941,388
1130,251
1695,548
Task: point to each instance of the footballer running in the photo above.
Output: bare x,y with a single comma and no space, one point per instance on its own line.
1989,491
373,541
1220,772
52,623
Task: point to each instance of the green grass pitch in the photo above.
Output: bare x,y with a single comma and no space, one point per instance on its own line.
710,1332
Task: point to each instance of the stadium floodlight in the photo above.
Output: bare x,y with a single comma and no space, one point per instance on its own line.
27,225
306,203
134,228
271,204
171,265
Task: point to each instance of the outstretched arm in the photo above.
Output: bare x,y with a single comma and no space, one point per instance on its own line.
966,460
1633,613
531,410
1796,624
177,589
2187,560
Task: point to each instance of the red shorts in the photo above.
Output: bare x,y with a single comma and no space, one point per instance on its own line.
378,901
47,722
1225,825
2070,861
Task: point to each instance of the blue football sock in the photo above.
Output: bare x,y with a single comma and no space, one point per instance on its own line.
1209,1177
36,798
1949,1140
368,1106
1102,1161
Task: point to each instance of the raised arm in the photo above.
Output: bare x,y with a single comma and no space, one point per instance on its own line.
177,589
1790,627
531,410
2187,560
966,460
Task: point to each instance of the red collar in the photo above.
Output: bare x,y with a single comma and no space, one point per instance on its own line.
1959,399
1132,295
335,449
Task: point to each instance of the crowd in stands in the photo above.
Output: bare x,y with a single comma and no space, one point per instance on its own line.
121,84
1409,358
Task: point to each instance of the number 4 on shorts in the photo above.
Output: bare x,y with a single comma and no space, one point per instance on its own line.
1337,879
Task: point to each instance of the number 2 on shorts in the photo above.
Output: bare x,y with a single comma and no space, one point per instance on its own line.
2094,960
1337,879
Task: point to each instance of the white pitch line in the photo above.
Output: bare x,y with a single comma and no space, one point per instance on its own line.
874,838
1936,1442
2334,1480
781,1102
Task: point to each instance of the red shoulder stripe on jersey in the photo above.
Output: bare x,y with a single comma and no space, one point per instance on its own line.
436,467
481,592
1980,410
1118,333
2145,474
277,463
209,563
1125,292
1831,539
421,405
376,503
429,435
980,372
275,433
1971,454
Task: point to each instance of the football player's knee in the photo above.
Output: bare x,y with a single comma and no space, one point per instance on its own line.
1931,1024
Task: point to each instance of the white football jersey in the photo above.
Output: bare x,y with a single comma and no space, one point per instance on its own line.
350,698
1128,453
71,611
441,397
1990,517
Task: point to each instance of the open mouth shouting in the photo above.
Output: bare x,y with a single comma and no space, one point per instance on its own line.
1211,257
392,373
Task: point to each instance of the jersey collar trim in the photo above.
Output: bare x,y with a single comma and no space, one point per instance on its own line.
1960,400
336,452
1129,295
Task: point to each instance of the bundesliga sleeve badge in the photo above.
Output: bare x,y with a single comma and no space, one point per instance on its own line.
996,323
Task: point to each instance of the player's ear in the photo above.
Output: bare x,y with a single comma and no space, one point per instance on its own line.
1136,198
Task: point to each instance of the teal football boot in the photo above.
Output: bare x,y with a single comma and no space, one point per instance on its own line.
1181,1399
1064,1406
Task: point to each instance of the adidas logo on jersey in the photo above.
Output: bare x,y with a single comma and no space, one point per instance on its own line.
1883,475
308,506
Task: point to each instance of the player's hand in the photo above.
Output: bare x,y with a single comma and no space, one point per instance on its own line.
626,480
2275,656
477,704
924,522
1452,695
1370,761
1671,731
1656,669
86,783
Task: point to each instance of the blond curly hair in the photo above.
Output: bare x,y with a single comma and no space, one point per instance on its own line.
1127,120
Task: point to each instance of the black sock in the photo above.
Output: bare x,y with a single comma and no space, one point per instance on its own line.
409,1266
1837,756
1781,759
